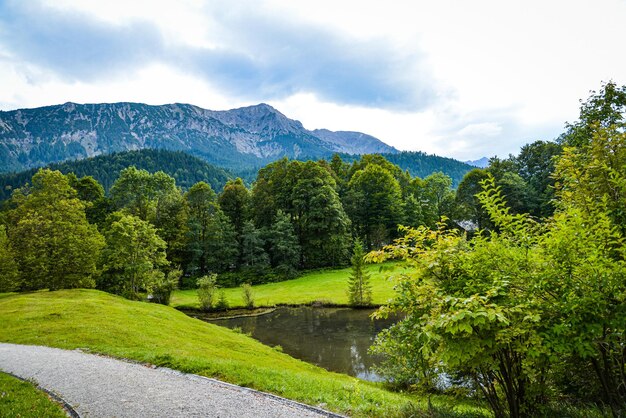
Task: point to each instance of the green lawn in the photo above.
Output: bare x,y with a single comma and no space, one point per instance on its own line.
328,286
103,323
23,399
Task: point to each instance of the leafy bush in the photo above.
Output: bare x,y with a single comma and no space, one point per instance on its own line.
207,287
222,302
248,297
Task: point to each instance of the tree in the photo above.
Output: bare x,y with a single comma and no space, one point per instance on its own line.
589,252
306,192
467,205
437,197
134,191
284,249
211,239
374,205
133,257
603,109
535,164
320,221
359,288
9,273
253,255
466,308
54,245
234,202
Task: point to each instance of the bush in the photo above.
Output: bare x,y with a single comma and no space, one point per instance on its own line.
248,297
207,287
162,290
222,303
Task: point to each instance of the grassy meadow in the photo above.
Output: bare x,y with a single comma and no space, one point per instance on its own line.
102,323
328,286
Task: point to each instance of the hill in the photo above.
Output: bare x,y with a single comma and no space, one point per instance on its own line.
238,138
102,323
185,168
420,164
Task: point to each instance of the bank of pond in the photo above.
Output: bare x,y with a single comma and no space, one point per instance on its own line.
337,339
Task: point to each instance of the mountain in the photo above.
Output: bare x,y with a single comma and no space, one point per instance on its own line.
480,163
239,138
354,142
185,168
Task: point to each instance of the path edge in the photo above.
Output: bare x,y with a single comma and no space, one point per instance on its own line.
71,412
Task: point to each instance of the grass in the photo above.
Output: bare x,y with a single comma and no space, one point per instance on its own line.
328,286
23,399
99,322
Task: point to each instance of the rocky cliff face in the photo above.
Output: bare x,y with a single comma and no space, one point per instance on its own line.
251,135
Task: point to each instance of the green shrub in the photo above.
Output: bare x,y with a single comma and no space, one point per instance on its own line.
207,287
248,297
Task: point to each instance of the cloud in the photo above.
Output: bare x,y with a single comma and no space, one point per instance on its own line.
75,46
485,129
252,56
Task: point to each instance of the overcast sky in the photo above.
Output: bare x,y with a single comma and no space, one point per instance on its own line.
463,79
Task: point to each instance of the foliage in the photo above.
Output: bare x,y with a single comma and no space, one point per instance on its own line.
374,204
253,255
211,243
247,295
588,247
437,196
186,169
509,309
283,246
222,302
133,257
359,288
603,109
54,245
207,287
535,165
419,164
234,200
161,290
467,205
306,192
9,273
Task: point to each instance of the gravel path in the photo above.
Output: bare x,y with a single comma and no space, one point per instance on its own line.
97,386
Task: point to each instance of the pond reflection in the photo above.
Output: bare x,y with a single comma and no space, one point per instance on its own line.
337,339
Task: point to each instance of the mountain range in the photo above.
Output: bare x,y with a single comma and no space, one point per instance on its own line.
237,139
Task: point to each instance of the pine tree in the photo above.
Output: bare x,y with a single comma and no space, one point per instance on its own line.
359,288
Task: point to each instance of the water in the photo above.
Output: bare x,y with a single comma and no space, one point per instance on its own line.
337,339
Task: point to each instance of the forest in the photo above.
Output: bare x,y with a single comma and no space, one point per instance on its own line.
517,285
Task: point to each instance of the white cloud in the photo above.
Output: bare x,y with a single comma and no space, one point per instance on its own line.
505,73
480,129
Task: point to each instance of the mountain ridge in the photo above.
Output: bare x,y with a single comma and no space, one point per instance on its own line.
242,137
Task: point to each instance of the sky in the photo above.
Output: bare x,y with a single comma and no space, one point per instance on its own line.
462,79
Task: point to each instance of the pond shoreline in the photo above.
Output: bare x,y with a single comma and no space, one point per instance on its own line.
262,310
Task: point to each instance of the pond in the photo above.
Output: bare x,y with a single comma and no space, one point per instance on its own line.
336,339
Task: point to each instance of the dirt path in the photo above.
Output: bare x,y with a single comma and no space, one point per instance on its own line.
96,386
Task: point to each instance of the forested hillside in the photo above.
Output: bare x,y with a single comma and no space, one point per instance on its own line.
184,168
420,164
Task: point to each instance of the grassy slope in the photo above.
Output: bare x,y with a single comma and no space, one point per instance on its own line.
104,323
22,399
324,285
